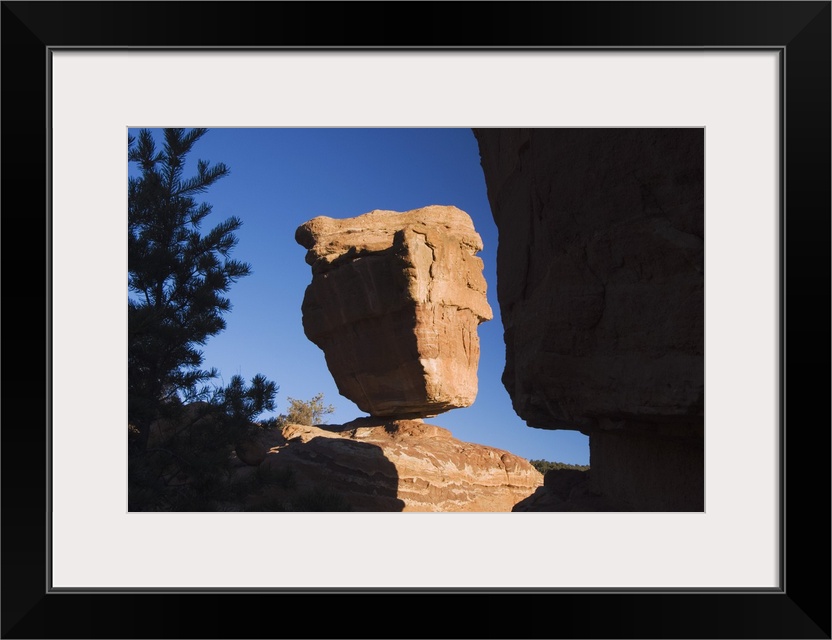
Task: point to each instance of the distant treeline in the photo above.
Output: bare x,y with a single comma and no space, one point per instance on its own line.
544,465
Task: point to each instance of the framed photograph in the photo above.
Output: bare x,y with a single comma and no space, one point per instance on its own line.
754,75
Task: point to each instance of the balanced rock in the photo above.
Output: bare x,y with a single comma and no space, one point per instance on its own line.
394,303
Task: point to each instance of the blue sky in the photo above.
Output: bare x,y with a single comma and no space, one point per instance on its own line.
279,179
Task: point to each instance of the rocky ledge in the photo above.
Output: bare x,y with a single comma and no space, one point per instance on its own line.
398,465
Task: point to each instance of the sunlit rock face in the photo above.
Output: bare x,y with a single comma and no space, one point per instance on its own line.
600,280
394,303
395,465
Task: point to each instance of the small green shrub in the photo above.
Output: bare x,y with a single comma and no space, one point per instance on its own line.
544,465
307,412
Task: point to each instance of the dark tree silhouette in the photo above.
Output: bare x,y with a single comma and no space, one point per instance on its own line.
177,280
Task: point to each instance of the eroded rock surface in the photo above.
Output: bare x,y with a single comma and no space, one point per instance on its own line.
394,303
396,465
600,279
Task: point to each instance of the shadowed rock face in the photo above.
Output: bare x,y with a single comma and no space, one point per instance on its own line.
394,303
369,464
600,279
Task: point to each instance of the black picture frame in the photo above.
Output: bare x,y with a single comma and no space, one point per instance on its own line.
800,608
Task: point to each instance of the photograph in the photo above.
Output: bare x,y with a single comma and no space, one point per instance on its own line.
495,281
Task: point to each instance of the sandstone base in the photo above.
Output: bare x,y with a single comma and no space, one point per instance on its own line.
401,465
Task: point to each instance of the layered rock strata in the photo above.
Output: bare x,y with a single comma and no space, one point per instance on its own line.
600,280
395,465
369,464
394,303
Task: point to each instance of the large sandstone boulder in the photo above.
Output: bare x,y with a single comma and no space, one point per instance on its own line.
394,303
600,279
394,465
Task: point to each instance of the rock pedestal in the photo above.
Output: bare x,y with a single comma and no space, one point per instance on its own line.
394,303
395,465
